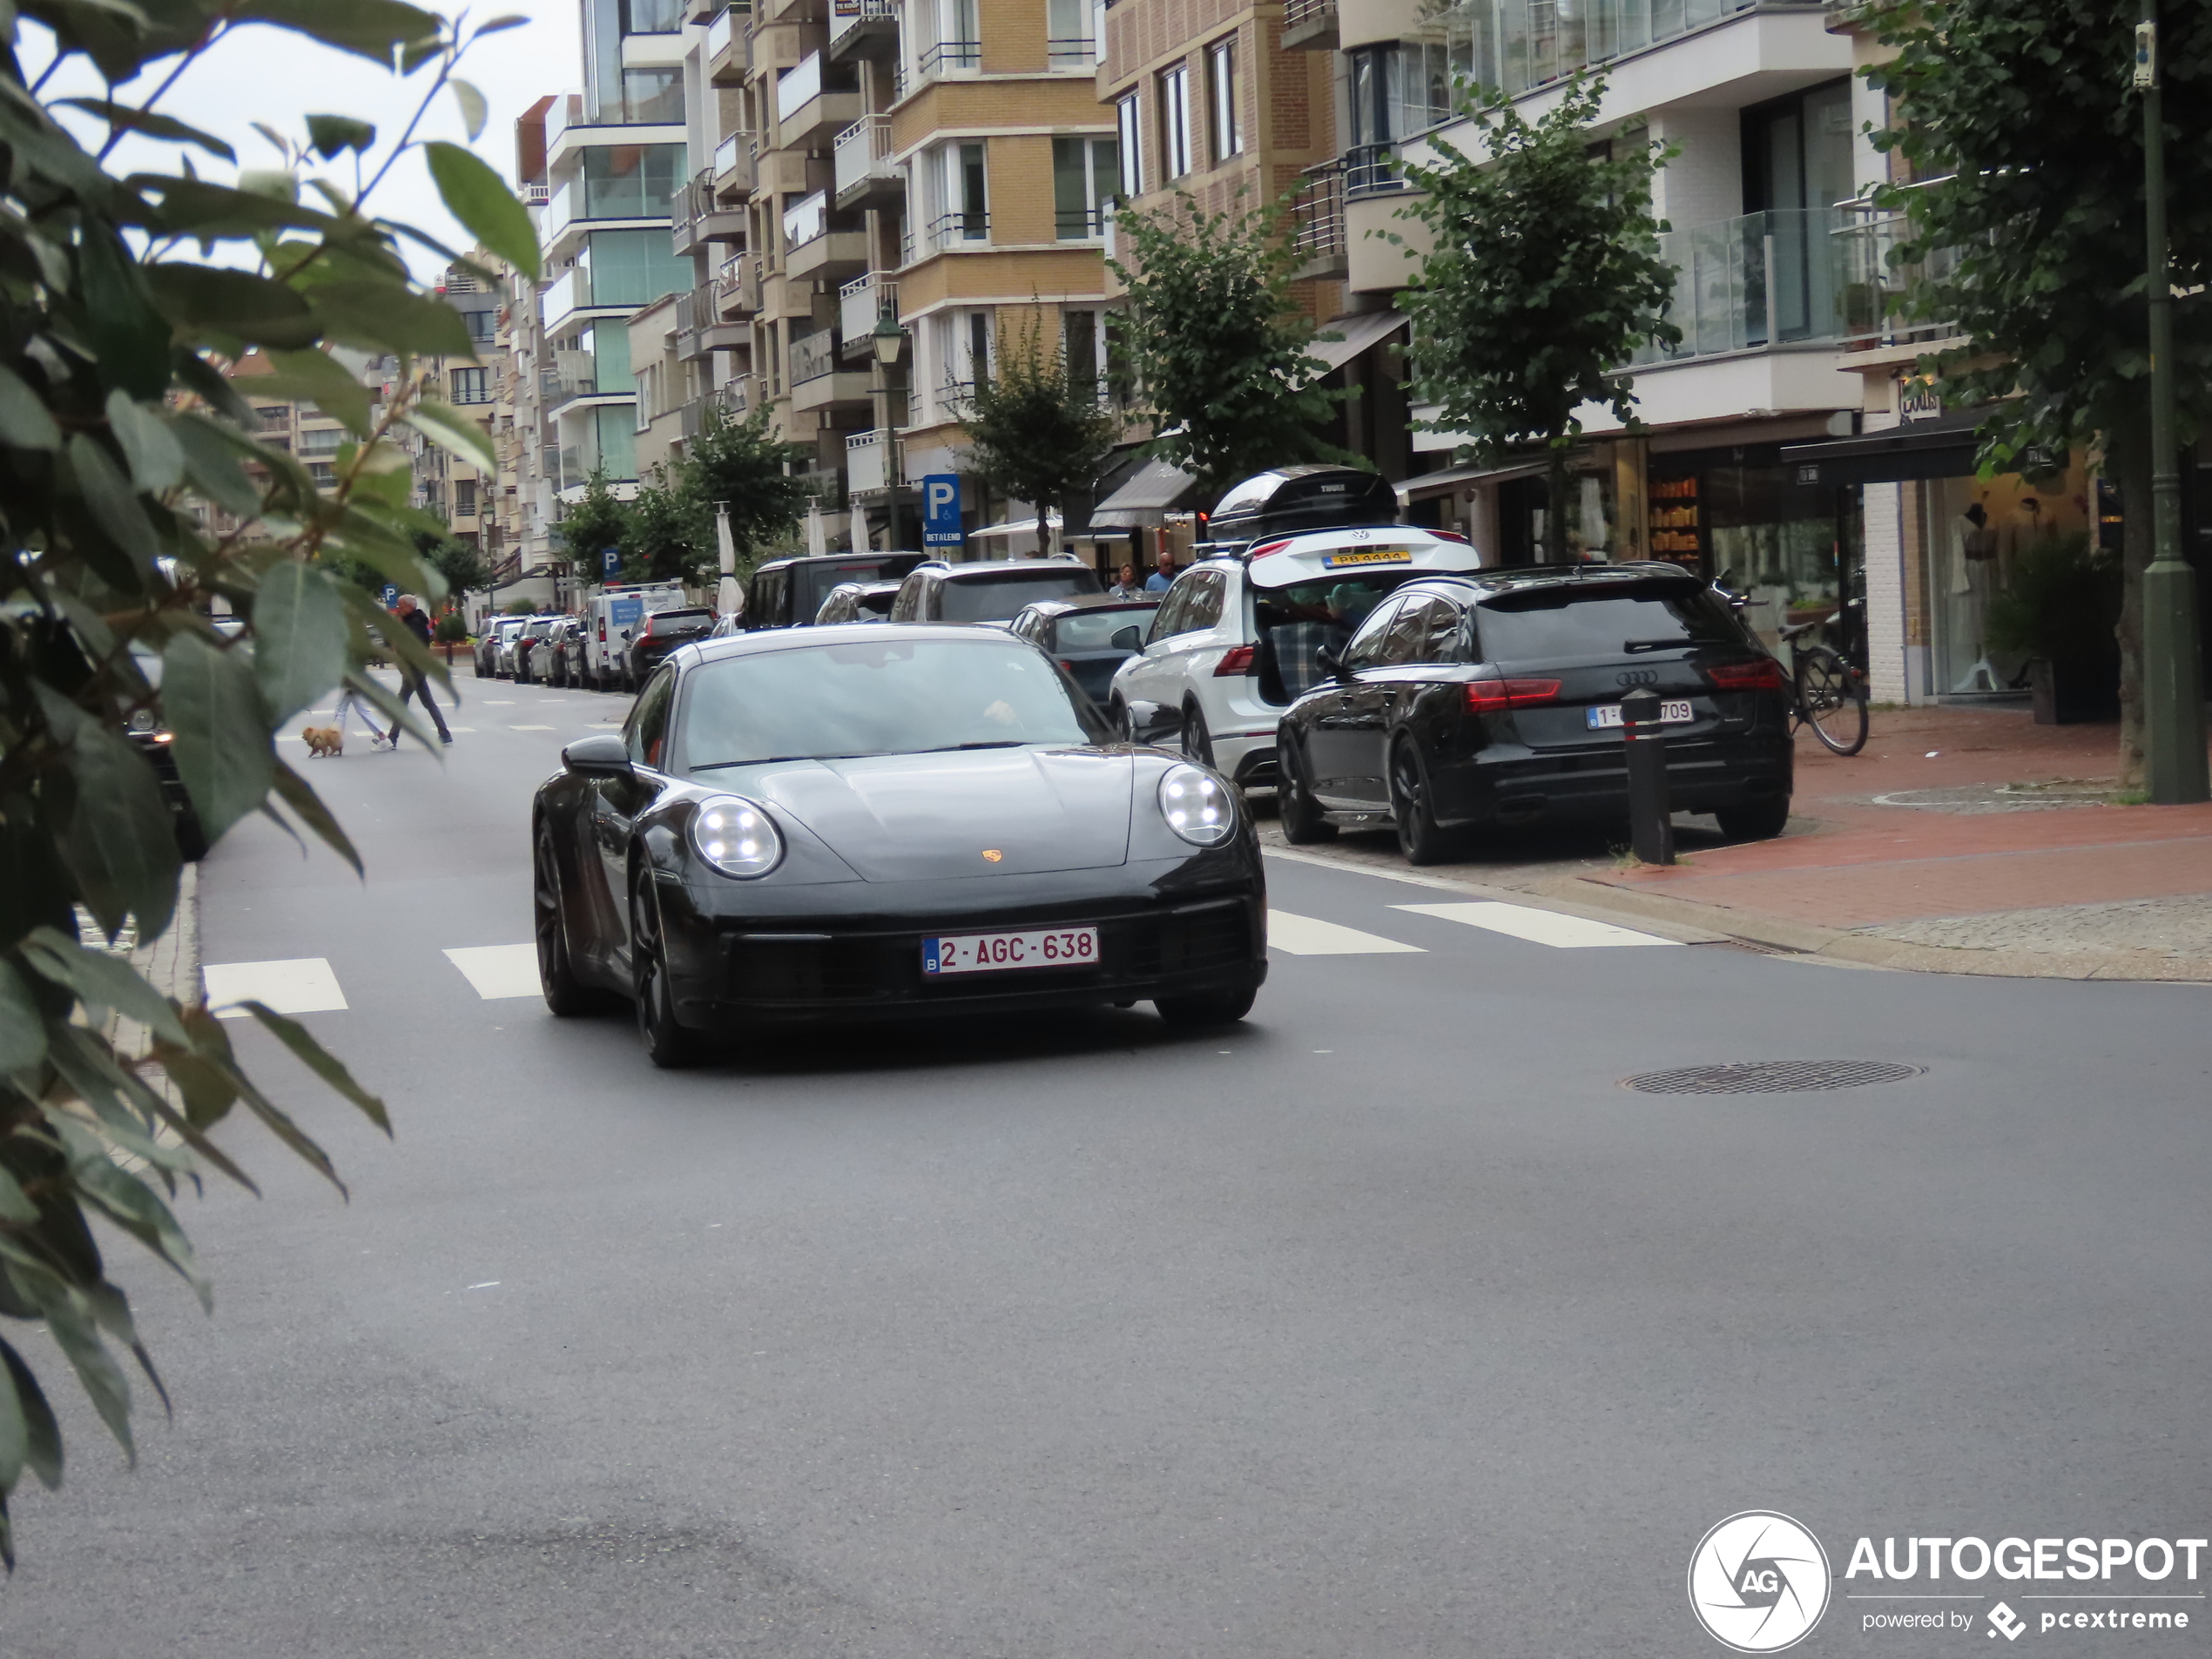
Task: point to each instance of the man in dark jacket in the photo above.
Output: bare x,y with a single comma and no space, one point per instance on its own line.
414,682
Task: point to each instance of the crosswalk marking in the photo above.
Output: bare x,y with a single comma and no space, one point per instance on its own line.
1309,937
1538,927
529,728
498,970
303,985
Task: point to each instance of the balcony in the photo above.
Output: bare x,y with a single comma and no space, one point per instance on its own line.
1317,220
827,487
733,167
872,463
863,165
862,29
1310,25
701,328
1870,277
815,247
1372,170
816,381
1520,44
727,56
809,113
1760,281
730,287
859,303
694,414
950,58
697,217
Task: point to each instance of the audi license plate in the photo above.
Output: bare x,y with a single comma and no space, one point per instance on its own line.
1675,711
994,953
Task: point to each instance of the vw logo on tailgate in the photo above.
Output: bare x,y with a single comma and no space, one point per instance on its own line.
1640,677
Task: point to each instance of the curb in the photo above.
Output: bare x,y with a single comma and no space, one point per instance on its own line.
1690,922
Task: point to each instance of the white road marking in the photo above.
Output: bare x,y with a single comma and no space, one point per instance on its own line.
1538,927
1308,936
499,970
529,728
304,985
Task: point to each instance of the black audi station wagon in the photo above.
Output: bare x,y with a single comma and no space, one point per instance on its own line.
1494,698
821,824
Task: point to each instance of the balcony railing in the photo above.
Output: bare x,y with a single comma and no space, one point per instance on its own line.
1078,51
1317,215
803,84
870,461
744,394
733,162
1762,279
863,151
812,356
846,15
960,229
946,55
861,301
825,487
805,219
1369,169
1080,224
718,36
1517,44
1870,277
694,415
1299,13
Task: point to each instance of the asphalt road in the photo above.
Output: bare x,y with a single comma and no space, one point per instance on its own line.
1390,1324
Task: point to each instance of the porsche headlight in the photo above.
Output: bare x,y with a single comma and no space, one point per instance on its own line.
736,837
1196,805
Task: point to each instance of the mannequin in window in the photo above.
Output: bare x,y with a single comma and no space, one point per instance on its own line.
1973,567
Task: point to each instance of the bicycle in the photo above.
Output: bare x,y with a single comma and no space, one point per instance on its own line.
1825,693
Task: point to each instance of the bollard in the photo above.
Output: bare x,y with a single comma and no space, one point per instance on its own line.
1651,829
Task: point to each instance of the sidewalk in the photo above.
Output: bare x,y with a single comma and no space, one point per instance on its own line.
1960,840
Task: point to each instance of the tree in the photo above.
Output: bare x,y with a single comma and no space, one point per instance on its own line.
1543,278
1033,433
1215,345
591,525
2019,115
668,536
462,565
138,493
741,463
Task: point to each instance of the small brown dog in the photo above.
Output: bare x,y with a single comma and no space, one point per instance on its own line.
324,740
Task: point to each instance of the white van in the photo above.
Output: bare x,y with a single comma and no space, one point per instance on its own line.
610,617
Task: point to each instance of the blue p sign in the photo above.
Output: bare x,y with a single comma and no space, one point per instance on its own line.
610,561
391,595
940,509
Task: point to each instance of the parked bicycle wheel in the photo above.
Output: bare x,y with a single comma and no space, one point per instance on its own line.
1831,699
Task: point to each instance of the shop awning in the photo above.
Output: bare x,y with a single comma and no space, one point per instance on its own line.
1448,479
1357,332
1016,526
1157,489
1943,446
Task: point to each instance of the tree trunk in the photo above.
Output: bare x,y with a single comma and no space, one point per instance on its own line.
2128,458
1044,525
1555,502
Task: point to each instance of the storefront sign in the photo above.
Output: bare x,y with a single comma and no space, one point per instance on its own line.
1918,399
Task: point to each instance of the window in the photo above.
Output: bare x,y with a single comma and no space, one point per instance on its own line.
957,180
1221,95
1068,43
321,440
1367,646
1132,180
469,385
631,180
979,347
1392,92
652,16
1079,351
1407,632
1083,177
275,417
483,326
654,95
648,724
634,268
1202,608
464,498
1175,121
959,40
324,474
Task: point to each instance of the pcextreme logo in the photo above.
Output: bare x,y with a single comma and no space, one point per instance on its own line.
1759,1582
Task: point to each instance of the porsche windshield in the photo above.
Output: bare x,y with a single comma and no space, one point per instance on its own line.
889,697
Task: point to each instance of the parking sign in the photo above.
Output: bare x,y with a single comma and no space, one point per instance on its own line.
391,595
610,561
940,509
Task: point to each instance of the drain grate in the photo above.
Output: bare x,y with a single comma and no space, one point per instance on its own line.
1772,1077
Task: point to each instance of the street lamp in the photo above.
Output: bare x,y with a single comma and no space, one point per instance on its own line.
2173,674
890,339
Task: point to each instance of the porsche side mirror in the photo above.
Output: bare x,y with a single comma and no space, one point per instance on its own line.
600,755
1153,722
1129,638
1331,663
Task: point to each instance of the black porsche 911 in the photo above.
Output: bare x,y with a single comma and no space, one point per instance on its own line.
838,822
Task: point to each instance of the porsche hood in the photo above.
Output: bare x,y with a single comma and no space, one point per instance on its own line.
960,813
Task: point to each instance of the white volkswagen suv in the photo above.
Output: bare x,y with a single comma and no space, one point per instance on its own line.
1234,643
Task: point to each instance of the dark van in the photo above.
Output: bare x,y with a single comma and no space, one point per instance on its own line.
785,593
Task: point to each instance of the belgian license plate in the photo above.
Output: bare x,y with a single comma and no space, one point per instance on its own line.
1675,711
997,953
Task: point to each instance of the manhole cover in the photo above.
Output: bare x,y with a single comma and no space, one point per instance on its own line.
1772,1077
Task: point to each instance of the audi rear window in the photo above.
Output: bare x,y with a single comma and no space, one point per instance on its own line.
1094,630
1000,599
1563,622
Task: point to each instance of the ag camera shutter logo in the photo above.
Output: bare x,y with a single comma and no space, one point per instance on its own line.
1759,1582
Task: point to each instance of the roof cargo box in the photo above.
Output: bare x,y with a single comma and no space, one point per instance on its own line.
1292,499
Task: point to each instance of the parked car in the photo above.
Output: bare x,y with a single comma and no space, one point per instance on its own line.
152,740
551,657
568,655
788,593
661,633
858,602
989,591
1463,702
839,823
524,647
1234,643
1089,637
610,618
491,643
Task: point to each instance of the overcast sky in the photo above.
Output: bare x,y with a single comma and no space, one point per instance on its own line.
265,74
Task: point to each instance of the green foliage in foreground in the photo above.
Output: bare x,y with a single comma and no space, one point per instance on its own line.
121,444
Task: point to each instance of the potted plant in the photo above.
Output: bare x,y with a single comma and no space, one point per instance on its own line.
452,630
2059,610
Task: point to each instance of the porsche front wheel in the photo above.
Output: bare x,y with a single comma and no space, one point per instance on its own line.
668,1044
565,994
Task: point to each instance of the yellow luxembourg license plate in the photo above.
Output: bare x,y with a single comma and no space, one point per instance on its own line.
1378,555
994,953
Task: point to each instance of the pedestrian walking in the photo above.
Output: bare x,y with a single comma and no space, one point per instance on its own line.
413,682
1162,577
348,699
1128,586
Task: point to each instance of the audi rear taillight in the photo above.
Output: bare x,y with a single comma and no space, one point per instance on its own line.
1765,675
1236,660
1495,696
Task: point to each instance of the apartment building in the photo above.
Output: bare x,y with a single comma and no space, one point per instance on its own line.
470,501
